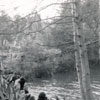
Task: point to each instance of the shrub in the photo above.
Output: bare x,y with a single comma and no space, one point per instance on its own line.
66,66
42,72
94,63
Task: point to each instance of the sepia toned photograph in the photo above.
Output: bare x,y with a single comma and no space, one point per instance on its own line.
49,50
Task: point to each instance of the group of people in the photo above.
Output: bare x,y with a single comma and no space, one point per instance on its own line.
21,89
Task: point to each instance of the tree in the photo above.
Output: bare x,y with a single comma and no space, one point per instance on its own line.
81,52
99,30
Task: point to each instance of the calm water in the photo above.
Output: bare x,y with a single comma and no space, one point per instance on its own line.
64,86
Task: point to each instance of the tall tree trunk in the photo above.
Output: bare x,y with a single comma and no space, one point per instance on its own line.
99,30
84,65
1,45
81,53
77,53
99,46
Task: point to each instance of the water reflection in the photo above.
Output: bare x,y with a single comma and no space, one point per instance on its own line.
64,86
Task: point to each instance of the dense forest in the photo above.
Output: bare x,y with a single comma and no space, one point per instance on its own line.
44,47
41,48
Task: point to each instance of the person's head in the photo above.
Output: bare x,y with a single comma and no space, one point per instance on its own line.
42,96
22,79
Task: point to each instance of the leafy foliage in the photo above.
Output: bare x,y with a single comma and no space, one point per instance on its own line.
33,51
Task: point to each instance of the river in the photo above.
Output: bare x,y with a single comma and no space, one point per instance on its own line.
65,86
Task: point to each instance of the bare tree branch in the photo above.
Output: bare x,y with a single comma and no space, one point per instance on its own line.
21,31
66,43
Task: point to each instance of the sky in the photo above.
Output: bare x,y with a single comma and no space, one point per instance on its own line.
24,7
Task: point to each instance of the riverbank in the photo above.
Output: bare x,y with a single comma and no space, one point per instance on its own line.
64,86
